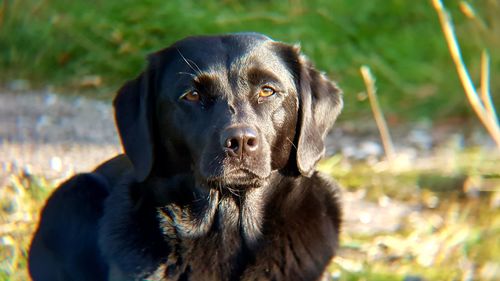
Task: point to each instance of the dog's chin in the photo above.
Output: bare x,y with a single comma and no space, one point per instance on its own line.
238,179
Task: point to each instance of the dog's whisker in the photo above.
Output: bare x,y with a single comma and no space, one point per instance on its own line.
233,191
290,141
187,73
187,62
197,67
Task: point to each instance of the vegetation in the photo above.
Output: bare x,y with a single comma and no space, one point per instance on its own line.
451,234
21,201
80,45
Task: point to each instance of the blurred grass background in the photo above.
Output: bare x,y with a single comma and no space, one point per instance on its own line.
69,43
91,47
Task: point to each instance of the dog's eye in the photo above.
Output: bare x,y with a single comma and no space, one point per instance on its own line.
192,95
266,92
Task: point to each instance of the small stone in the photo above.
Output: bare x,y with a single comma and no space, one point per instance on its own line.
365,218
495,200
384,201
27,171
336,275
370,148
41,122
50,99
432,202
348,151
56,163
349,264
421,138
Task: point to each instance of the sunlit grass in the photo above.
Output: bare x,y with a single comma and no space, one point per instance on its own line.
449,235
21,201
452,232
446,243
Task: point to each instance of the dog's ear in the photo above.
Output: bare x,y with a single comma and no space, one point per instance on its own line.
320,102
133,119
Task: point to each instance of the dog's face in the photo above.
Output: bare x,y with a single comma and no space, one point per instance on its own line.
229,109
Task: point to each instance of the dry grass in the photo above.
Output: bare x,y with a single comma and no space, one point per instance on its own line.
481,103
451,234
385,136
21,199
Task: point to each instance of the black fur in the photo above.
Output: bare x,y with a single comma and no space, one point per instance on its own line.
217,188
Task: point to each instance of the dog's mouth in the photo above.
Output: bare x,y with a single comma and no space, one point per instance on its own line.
221,171
236,178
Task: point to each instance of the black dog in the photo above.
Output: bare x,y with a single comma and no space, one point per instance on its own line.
221,137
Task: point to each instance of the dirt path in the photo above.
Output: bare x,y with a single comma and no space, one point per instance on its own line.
54,136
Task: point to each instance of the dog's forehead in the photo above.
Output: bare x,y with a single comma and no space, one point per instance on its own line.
226,62
223,53
219,47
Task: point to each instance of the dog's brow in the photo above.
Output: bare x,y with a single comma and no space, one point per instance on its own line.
203,78
259,75
206,82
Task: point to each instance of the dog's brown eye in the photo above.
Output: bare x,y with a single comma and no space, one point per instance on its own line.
266,92
191,96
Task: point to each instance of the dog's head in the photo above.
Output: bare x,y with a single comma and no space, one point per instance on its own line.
230,109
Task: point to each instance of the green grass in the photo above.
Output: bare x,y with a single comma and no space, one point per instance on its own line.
61,43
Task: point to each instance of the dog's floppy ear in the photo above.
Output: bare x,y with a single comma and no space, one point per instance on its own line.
133,119
320,102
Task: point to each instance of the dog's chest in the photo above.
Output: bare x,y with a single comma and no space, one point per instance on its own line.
211,252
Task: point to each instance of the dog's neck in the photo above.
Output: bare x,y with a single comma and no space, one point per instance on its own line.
200,209
187,215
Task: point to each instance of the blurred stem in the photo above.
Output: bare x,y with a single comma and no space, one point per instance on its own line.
377,112
488,118
470,13
485,87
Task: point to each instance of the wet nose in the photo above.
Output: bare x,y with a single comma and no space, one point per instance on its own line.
239,141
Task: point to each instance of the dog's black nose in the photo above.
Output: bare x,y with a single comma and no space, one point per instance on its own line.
239,141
